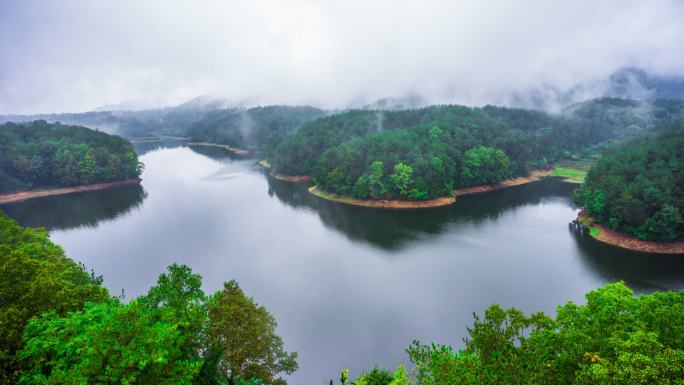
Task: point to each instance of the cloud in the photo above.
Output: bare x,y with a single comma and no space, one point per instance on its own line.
79,55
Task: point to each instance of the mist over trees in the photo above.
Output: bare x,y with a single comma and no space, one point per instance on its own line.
252,128
424,153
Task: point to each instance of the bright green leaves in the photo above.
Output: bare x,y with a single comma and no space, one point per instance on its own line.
616,338
484,165
59,326
376,183
106,343
402,179
243,334
35,277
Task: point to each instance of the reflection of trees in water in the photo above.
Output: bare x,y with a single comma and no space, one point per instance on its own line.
142,148
392,229
216,153
76,210
643,272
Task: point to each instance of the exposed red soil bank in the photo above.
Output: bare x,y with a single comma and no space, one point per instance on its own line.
381,203
626,241
24,195
533,177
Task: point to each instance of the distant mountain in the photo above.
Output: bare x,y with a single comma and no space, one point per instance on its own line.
251,128
172,121
627,83
411,100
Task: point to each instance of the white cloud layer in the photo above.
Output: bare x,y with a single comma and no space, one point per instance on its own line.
77,55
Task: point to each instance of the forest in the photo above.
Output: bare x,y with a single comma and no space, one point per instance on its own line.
638,187
424,153
59,325
40,154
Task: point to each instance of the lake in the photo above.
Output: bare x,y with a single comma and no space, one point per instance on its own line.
350,287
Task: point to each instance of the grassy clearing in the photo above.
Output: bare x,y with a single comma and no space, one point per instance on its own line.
264,163
571,174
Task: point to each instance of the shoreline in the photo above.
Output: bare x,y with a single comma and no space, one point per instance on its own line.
622,240
234,150
383,204
26,195
534,176
292,178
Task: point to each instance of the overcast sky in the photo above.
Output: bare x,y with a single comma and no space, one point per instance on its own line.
68,55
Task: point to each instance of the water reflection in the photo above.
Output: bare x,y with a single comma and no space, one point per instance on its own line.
216,153
142,148
84,209
393,229
641,271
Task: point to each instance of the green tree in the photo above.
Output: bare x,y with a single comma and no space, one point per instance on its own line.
107,343
35,277
484,165
242,334
402,179
376,184
616,338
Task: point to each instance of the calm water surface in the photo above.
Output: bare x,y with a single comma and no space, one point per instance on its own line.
350,287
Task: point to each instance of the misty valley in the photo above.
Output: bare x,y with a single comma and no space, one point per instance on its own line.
348,193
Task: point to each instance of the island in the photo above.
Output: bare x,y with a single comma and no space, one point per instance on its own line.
39,159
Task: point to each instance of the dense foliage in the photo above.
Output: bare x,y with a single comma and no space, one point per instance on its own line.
424,153
253,128
58,325
638,187
173,335
616,338
35,277
41,154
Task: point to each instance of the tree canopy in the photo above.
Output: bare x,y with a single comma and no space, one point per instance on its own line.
452,146
615,338
40,154
638,187
58,325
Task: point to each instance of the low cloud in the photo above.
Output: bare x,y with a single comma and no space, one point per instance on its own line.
81,55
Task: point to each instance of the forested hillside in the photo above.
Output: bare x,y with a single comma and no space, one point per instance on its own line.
40,154
253,128
638,187
424,153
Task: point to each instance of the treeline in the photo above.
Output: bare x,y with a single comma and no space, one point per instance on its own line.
170,121
252,128
424,153
616,338
58,325
41,154
638,187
